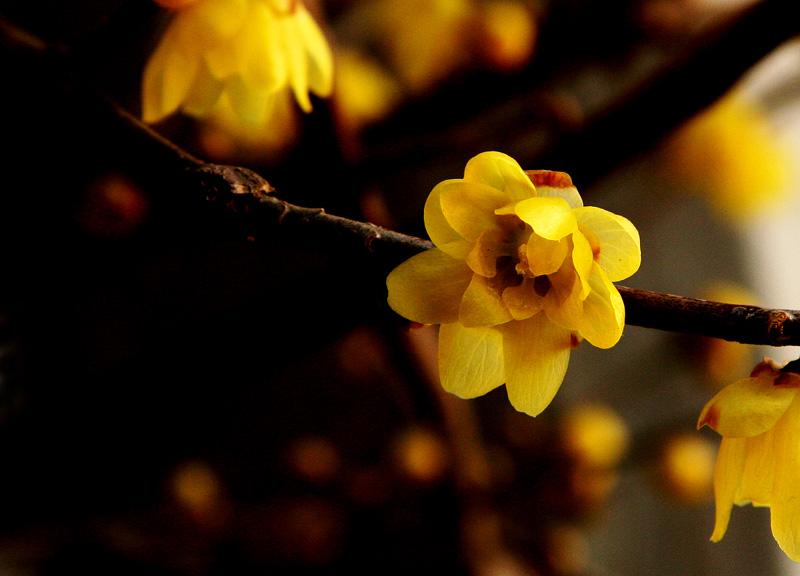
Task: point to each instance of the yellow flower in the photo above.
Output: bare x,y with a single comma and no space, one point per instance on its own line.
248,50
759,456
521,272
727,152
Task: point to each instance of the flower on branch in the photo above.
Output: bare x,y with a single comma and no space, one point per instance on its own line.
521,272
759,456
239,53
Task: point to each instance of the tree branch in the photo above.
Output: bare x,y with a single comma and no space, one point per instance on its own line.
238,190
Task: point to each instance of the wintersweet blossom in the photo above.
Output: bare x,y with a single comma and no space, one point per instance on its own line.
759,456
242,51
521,272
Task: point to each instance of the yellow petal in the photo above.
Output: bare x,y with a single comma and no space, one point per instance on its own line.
249,103
551,218
470,360
748,407
261,59
727,476
490,246
319,58
501,172
582,260
427,288
458,249
785,504
759,471
439,230
563,303
295,55
204,94
481,306
603,311
545,256
218,20
469,207
551,184
536,355
523,301
168,76
619,250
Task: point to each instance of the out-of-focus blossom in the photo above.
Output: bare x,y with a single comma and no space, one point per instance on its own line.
365,91
759,456
242,51
509,34
732,155
685,468
424,41
595,435
521,272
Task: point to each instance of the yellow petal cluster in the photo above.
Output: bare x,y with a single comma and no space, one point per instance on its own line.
242,51
521,272
759,457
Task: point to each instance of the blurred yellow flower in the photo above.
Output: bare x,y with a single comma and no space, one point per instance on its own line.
759,460
521,272
728,152
365,91
245,50
424,41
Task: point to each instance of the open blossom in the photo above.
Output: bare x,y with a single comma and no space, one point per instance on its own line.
520,274
759,457
242,51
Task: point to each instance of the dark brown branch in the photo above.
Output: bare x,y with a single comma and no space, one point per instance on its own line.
734,322
239,190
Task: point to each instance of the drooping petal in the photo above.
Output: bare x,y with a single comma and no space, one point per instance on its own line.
501,172
261,59
747,407
482,306
536,353
551,218
168,75
295,55
551,184
470,360
427,288
727,476
439,230
603,311
319,58
619,250
785,504
759,471
469,207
